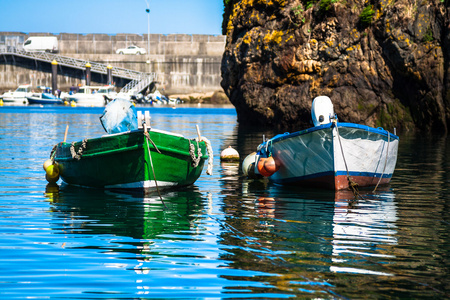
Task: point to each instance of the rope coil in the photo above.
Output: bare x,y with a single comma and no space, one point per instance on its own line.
196,160
78,154
210,155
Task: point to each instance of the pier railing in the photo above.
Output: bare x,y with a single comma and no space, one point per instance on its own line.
139,80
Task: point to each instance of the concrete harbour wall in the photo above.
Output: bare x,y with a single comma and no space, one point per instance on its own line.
184,63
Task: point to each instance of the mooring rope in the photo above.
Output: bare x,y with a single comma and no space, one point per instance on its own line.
385,163
147,135
352,185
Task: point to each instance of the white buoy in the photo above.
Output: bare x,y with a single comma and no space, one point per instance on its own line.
229,154
248,165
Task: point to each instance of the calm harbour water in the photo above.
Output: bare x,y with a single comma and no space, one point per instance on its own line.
224,237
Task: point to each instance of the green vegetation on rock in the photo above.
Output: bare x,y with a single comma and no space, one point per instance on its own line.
366,15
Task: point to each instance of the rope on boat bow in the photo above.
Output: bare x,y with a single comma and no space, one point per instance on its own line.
147,135
196,160
78,154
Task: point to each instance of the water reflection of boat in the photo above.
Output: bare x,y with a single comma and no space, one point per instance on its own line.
365,228
103,212
311,231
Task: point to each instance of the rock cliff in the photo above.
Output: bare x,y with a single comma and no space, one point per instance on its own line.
382,63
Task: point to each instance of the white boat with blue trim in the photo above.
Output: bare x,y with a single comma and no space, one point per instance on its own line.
330,155
44,96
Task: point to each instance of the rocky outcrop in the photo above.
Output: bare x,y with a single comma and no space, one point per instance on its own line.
382,63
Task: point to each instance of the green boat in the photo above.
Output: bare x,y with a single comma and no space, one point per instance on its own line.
139,160
132,161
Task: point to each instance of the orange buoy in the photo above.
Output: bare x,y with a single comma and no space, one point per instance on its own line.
261,168
270,165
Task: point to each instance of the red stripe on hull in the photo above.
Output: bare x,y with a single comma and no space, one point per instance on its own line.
341,181
338,182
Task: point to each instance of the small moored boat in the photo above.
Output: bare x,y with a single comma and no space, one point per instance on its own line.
331,154
132,157
45,96
19,95
93,95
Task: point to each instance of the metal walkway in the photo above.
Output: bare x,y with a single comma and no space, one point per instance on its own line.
139,80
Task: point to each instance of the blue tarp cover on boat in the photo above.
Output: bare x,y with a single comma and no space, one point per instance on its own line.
119,116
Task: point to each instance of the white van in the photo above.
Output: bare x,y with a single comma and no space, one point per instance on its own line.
41,43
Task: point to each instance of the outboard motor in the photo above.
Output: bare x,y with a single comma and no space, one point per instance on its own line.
322,110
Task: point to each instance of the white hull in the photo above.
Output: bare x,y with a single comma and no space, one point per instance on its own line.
14,99
88,100
92,95
321,157
143,185
19,96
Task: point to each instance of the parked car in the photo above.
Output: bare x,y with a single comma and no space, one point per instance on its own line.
131,50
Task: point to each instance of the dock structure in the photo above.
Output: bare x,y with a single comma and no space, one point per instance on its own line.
139,81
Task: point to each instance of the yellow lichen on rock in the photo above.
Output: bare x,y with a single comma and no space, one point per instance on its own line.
263,2
247,38
273,37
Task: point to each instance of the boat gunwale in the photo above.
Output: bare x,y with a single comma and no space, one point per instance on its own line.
126,149
379,130
129,148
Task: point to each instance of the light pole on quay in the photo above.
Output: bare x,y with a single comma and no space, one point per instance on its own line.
148,34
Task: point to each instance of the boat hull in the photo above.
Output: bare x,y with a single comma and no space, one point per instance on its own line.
88,100
41,100
11,99
328,155
122,161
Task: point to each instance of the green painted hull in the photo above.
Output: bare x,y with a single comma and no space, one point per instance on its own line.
122,161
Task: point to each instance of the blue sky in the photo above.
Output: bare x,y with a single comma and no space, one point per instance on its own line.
112,16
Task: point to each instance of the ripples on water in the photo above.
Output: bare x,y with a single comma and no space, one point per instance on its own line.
224,237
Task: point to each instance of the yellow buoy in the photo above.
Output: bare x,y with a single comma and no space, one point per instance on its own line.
1,102
52,173
47,163
229,154
73,104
